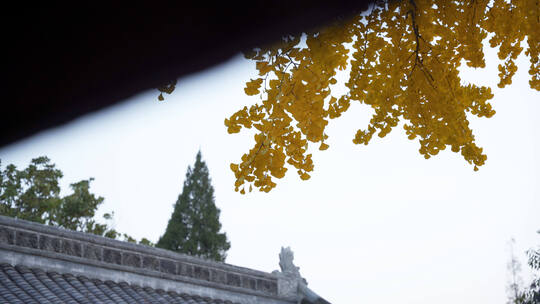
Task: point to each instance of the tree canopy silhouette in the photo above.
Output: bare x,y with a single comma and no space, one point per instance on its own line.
34,194
194,227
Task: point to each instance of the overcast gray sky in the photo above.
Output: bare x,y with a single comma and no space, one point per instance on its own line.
374,224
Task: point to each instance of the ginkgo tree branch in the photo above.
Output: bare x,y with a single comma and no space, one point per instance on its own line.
426,92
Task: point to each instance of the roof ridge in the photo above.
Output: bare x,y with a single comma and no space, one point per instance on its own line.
60,250
123,245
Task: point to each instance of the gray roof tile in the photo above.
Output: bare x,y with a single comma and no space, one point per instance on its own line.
20,284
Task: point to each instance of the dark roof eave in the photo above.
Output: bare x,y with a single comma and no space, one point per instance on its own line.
64,62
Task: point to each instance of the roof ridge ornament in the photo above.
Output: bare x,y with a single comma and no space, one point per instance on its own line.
292,283
286,257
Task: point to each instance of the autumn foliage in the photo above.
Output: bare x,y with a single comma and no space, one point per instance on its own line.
404,64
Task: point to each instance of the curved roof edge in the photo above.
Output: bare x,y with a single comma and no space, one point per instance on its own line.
63,251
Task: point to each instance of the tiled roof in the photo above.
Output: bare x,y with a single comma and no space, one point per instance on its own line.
20,284
44,264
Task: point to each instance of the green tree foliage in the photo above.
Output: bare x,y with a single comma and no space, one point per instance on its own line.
31,194
515,290
34,194
194,225
532,294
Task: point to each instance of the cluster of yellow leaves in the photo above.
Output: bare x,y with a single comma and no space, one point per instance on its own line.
511,22
404,64
167,88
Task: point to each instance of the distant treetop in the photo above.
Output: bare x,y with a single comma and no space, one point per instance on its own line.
194,226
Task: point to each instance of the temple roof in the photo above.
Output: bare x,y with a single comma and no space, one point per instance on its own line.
20,284
44,264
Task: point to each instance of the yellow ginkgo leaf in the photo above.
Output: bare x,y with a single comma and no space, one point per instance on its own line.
403,63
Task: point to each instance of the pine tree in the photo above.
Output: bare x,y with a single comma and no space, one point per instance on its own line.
194,225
